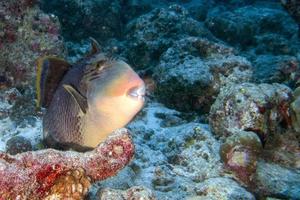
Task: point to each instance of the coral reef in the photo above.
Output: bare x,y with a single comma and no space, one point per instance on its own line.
277,181
74,184
26,33
264,33
18,144
295,107
263,109
220,188
17,120
281,69
151,34
136,192
243,25
83,16
192,71
293,7
53,174
173,160
284,149
240,152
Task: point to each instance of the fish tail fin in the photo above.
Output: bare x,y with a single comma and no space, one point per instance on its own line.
50,71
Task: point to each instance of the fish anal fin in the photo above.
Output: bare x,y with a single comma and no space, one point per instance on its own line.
50,71
78,97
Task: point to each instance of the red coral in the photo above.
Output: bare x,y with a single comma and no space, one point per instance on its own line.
31,175
47,176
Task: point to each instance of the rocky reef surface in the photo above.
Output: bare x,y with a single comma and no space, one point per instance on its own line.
222,117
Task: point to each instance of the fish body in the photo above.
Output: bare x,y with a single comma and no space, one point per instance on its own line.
95,97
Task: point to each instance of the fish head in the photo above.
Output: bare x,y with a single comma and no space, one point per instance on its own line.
118,93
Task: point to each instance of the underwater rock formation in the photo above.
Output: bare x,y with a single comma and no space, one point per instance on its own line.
295,107
137,192
131,9
8,99
18,144
280,69
243,25
80,19
240,152
56,174
25,33
192,71
198,9
149,35
264,33
277,181
293,7
284,149
221,188
172,161
263,109
134,8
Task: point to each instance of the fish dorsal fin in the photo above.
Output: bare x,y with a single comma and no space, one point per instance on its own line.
78,97
50,71
95,47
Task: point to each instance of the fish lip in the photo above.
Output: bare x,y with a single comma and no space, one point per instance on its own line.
137,92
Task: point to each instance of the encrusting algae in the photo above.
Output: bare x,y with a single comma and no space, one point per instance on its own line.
240,153
88,100
53,174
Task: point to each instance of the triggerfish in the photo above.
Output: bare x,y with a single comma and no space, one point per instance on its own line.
87,101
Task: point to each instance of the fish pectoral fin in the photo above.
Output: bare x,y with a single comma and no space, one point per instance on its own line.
78,97
95,46
50,71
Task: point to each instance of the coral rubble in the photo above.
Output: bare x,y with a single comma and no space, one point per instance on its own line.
132,193
221,188
174,161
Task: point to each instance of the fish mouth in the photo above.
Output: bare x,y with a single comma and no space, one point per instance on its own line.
137,93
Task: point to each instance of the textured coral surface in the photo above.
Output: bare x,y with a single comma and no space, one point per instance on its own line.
25,34
35,175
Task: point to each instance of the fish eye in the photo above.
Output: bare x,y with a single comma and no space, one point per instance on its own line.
100,64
